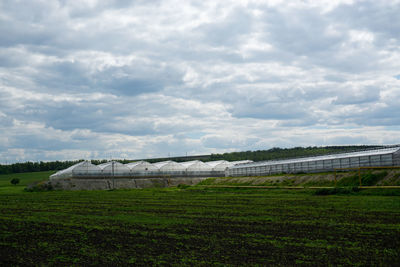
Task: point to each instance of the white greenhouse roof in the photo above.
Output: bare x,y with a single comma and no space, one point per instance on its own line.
324,157
162,163
169,166
219,165
141,166
240,162
84,167
216,162
133,164
115,166
196,165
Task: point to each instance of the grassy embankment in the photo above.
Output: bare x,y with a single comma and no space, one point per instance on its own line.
389,177
196,226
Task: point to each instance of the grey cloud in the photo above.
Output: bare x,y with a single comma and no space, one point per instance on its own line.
348,140
35,141
133,80
227,32
334,78
16,33
60,76
320,38
269,110
301,32
358,96
383,116
380,17
225,142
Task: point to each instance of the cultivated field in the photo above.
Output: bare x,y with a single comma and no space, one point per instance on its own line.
197,226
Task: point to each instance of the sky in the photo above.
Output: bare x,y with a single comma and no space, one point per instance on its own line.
139,79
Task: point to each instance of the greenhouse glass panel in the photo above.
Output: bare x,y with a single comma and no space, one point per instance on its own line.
354,162
345,163
279,168
364,161
375,160
387,160
170,168
304,166
81,168
141,166
378,157
336,163
240,162
86,169
327,164
219,165
114,168
196,165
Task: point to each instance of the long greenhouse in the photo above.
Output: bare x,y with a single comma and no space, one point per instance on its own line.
143,169
370,158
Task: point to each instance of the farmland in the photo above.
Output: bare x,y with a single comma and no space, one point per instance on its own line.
197,226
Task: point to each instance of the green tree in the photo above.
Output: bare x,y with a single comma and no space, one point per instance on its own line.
14,181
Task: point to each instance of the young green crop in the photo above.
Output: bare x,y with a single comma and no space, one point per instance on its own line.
197,226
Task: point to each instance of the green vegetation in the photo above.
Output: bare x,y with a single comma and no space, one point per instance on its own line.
284,153
25,178
336,191
394,180
271,154
197,226
36,166
40,186
367,179
14,181
388,177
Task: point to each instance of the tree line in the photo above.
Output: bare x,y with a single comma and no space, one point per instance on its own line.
275,153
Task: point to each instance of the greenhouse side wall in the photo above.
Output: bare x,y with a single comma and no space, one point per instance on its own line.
396,158
308,165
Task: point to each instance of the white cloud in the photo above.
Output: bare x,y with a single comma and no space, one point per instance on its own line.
146,79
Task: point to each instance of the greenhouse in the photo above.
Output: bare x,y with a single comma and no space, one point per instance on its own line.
196,165
114,169
219,165
81,169
370,158
142,169
240,162
197,168
170,168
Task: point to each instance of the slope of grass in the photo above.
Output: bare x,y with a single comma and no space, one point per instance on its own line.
368,178
25,178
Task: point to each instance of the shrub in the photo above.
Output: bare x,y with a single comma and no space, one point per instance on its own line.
372,178
336,191
368,178
14,181
349,181
39,187
183,186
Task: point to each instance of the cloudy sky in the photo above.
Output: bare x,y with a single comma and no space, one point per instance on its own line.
137,79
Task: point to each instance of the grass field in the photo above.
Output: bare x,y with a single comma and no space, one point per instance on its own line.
196,226
25,178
